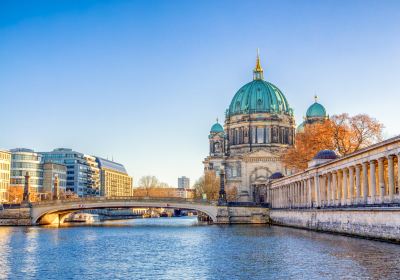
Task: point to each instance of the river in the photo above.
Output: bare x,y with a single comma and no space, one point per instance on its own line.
180,248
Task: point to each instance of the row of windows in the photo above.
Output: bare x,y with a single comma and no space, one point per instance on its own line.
4,166
25,157
4,185
261,135
21,181
26,165
15,173
4,176
5,156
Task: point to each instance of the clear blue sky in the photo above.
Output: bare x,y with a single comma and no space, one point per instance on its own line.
143,81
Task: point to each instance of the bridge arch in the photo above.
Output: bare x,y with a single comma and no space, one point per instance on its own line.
56,211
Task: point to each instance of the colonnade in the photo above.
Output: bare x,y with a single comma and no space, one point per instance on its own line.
370,180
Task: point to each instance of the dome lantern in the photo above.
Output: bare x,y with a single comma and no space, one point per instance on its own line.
258,72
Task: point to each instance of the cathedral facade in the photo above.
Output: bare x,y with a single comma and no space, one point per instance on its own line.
259,126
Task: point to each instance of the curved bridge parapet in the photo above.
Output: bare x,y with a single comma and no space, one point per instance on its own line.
46,212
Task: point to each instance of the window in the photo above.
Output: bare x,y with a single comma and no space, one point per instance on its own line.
260,135
267,135
253,135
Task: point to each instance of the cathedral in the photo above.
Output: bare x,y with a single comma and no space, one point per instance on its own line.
259,126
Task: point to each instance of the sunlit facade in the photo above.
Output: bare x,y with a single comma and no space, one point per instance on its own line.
114,179
83,174
50,171
259,126
25,161
5,163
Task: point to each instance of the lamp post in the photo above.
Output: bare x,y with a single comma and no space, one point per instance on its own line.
25,197
222,194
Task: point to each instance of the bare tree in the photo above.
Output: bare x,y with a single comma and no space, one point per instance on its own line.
148,182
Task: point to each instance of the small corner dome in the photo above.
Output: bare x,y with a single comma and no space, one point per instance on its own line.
316,111
276,175
217,128
300,128
326,154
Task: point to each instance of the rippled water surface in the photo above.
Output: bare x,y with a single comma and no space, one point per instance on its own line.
179,248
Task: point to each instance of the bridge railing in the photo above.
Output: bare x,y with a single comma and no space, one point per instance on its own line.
127,198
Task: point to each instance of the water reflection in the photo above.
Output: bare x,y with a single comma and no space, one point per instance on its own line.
5,250
29,267
181,249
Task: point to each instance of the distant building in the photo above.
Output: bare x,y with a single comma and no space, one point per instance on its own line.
183,182
159,192
50,170
23,161
83,174
5,162
114,180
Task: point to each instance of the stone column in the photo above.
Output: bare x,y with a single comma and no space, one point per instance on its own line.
339,187
391,178
55,188
351,184
328,193
372,177
358,184
317,192
25,197
344,201
381,179
334,188
309,197
365,182
398,174
322,184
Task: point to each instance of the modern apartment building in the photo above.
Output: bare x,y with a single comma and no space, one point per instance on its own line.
183,182
5,162
50,171
83,174
114,179
23,161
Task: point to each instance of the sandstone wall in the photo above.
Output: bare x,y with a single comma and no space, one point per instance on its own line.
242,215
380,223
15,217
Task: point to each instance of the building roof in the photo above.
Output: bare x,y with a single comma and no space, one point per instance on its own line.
276,175
22,150
105,163
316,110
326,154
216,128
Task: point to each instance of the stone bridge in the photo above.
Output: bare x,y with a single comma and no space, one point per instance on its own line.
55,212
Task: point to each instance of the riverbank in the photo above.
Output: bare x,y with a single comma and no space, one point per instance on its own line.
374,223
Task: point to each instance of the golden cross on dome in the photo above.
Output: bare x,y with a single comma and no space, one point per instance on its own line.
258,71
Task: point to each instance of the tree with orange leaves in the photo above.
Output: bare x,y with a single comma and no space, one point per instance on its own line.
341,133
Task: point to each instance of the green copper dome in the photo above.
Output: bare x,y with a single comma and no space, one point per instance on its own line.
217,128
259,96
300,128
316,111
